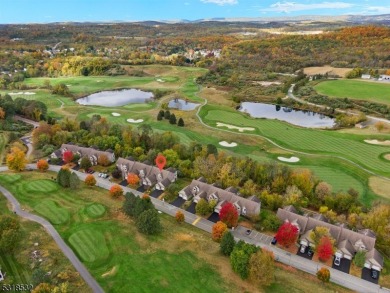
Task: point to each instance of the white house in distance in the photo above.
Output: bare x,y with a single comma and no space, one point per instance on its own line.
91,153
149,175
201,189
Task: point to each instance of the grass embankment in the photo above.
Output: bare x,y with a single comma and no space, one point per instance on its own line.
183,258
3,143
356,89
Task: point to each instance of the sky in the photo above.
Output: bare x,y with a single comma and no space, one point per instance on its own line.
44,11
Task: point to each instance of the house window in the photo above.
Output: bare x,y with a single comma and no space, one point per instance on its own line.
244,210
195,190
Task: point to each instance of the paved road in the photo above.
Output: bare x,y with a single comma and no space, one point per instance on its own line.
25,120
57,238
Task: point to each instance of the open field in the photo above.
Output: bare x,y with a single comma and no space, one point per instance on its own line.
183,258
356,89
326,69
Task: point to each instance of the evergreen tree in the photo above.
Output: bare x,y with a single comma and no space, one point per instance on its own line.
74,181
160,116
227,243
129,204
148,222
85,163
63,177
180,122
167,114
172,119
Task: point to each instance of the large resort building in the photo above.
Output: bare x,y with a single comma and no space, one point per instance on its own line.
201,189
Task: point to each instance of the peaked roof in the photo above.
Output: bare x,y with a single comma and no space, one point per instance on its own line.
337,232
251,206
85,151
374,257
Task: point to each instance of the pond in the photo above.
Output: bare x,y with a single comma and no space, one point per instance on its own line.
182,105
116,98
292,116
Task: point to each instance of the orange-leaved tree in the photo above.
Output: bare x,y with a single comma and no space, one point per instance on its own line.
116,191
103,160
179,216
90,180
323,274
42,165
219,229
16,159
325,248
132,179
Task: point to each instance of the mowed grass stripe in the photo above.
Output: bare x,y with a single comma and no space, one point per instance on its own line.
41,186
49,209
307,140
90,245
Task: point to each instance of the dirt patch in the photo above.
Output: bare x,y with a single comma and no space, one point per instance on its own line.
184,237
326,69
380,186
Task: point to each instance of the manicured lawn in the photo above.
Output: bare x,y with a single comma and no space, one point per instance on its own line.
355,89
344,145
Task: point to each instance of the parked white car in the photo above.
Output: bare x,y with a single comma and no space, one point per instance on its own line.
337,260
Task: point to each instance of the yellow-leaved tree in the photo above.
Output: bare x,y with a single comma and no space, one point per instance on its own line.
16,159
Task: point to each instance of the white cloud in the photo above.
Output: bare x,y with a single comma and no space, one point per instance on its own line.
221,2
378,9
288,7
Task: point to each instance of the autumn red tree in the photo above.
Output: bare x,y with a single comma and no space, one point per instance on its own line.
287,234
90,180
324,249
116,191
219,229
42,165
132,179
179,217
67,156
229,215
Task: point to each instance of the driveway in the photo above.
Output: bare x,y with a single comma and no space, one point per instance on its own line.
214,217
124,183
141,188
366,275
191,208
178,202
156,193
305,255
345,265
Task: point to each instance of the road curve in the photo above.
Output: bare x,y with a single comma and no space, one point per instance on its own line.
57,238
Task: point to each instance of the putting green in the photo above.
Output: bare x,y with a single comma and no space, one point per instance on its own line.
89,244
40,186
50,210
95,210
10,178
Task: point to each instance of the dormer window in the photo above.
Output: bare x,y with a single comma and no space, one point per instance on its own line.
142,173
159,177
244,210
195,190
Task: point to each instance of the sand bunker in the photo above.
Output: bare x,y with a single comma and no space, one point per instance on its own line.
378,142
240,129
228,145
22,93
135,121
289,160
387,157
110,272
267,83
115,114
160,80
